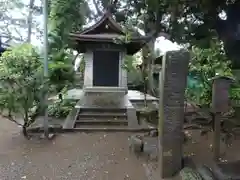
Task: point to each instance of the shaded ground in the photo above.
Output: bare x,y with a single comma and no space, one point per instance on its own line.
200,148
95,156
70,156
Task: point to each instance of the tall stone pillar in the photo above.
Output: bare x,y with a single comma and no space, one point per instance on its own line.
173,82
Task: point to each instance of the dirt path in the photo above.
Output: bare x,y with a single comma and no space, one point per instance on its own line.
74,156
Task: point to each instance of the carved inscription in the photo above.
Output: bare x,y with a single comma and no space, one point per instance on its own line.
220,94
172,89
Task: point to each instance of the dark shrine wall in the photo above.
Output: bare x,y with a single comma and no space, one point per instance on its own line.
106,68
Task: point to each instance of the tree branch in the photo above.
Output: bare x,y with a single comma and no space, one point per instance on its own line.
29,20
97,7
75,57
112,6
10,118
114,2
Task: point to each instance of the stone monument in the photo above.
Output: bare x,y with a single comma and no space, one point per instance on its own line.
220,104
173,81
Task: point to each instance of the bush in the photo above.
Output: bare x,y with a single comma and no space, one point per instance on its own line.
235,93
61,72
21,83
204,65
61,108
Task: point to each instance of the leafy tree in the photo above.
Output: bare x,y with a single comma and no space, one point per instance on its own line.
206,64
61,72
65,17
21,84
135,79
194,23
19,21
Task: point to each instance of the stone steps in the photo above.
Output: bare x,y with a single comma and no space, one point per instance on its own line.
93,129
111,129
99,126
101,110
102,115
101,118
87,122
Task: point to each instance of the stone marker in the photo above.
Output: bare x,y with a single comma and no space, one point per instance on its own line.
220,94
136,144
171,111
220,104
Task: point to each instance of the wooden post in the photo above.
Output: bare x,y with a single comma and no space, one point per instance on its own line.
216,136
45,70
220,104
173,81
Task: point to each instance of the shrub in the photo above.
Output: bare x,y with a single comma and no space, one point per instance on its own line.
61,108
21,84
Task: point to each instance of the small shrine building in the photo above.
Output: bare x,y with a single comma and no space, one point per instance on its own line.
103,55
105,87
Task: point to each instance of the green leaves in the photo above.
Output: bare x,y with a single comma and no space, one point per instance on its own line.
61,72
235,93
20,80
61,108
67,16
206,64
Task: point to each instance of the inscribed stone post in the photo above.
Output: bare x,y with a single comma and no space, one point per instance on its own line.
220,94
220,104
171,113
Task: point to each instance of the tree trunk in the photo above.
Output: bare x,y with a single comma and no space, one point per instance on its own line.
150,67
145,93
24,130
145,73
26,123
29,20
148,55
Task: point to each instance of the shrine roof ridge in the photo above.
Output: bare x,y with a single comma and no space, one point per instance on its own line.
105,17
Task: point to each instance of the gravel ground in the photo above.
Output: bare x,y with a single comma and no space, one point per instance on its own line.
76,156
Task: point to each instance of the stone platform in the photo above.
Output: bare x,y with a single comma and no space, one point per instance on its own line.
136,98
112,109
132,95
94,112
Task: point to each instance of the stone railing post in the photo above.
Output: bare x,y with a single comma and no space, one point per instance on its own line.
173,81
